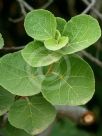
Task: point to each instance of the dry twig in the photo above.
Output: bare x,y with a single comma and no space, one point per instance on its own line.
93,9
92,58
89,6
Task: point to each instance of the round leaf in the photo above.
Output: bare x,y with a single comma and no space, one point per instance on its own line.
54,45
73,87
36,55
60,24
1,41
18,77
82,30
40,24
6,100
32,114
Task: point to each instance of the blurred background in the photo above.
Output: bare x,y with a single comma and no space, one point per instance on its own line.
12,14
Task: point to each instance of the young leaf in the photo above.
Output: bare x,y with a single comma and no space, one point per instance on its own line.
57,35
18,77
32,114
1,41
82,30
53,44
6,100
60,24
36,55
73,87
40,24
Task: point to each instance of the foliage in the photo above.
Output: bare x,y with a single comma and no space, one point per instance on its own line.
66,127
46,73
12,131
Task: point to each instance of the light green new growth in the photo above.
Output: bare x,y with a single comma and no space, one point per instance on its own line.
53,44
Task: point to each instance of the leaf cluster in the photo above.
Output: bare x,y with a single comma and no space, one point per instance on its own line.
46,72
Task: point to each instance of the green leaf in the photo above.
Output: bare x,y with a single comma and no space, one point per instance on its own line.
74,85
36,55
53,44
6,100
60,24
57,35
82,30
18,77
66,127
40,24
32,114
12,131
1,41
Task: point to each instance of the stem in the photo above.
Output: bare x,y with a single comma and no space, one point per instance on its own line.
92,58
93,9
12,48
78,114
89,6
27,6
46,5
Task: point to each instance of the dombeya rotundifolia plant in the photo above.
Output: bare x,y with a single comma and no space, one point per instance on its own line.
43,72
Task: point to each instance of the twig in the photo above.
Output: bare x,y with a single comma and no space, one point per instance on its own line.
22,7
93,9
23,11
77,114
16,20
92,58
27,6
47,4
89,6
12,48
98,49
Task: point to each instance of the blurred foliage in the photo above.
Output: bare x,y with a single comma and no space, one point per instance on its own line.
66,127
11,131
